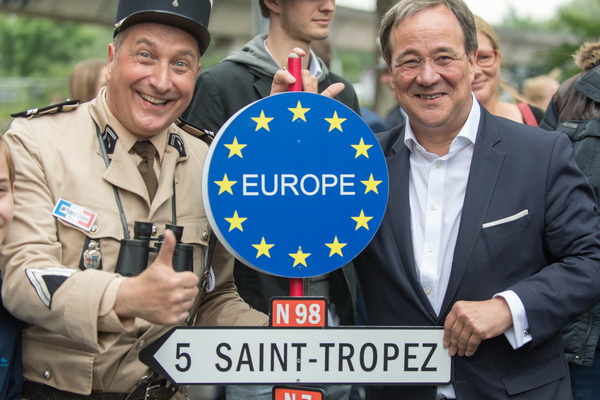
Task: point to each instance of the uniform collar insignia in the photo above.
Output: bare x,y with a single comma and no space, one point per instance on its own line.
109,137
176,142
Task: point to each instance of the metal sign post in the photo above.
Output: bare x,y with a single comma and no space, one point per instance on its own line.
295,68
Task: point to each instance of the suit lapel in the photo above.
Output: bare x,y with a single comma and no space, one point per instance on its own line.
123,173
483,176
399,217
167,174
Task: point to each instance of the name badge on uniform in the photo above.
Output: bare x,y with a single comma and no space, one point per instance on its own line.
74,214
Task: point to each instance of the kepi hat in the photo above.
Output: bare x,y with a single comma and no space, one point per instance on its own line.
191,16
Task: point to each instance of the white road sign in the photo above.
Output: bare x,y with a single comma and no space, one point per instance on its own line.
357,355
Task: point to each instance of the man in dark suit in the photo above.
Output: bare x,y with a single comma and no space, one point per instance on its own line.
490,229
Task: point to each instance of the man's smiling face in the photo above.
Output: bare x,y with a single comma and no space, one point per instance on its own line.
150,78
435,102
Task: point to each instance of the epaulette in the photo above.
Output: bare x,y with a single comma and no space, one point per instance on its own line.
205,135
51,109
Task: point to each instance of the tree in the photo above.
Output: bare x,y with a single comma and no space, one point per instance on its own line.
34,47
579,18
38,48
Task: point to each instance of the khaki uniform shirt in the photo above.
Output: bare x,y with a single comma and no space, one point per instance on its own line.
73,340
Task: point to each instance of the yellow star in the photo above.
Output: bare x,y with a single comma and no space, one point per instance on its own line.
361,220
299,112
235,221
225,185
236,148
299,257
263,248
336,247
361,148
335,122
262,121
371,184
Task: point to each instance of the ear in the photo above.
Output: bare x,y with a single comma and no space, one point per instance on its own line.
274,6
472,60
391,79
111,59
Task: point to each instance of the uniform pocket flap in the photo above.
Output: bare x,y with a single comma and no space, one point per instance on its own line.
580,129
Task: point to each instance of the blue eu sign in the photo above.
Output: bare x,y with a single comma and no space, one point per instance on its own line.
295,185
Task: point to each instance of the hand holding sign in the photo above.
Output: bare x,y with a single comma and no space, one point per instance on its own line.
159,294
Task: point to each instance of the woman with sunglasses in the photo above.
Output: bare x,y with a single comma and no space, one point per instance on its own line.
487,82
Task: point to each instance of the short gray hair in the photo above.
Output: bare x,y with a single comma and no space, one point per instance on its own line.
407,8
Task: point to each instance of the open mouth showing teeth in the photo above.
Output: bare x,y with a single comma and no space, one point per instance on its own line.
435,96
153,100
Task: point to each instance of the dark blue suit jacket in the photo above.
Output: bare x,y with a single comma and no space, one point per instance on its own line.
550,258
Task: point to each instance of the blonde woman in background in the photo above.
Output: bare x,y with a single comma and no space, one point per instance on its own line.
540,89
86,79
487,82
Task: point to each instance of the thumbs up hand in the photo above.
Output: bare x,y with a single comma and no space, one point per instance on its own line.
159,295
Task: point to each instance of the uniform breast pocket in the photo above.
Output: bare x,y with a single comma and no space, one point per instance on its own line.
97,248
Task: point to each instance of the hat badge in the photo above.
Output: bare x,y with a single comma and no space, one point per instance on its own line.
175,3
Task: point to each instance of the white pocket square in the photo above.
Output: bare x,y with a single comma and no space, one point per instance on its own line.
506,220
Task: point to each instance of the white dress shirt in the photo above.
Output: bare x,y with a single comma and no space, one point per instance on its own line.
437,187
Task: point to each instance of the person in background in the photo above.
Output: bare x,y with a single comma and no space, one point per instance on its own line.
86,79
11,379
86,177
575,110
487,82
490,231
395,116
322,48
539,90
244,77
373,120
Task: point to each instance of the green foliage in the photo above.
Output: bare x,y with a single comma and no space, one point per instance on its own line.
354,64
577,21
41,47
525,23
581,18
45,49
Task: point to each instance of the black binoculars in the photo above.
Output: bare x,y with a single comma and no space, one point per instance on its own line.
133,255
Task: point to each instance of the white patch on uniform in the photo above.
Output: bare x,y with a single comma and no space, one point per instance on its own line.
46,281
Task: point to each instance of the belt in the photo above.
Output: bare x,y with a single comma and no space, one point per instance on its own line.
39,391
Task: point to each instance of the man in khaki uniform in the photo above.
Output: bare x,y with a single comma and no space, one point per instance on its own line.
85,321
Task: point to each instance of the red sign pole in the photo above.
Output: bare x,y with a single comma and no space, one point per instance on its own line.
295,68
